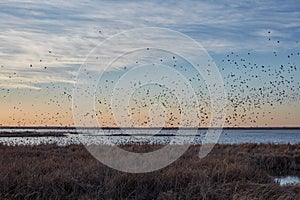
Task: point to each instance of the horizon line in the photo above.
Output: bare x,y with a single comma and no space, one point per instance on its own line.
164,128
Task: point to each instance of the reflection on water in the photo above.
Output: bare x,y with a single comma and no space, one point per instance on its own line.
149,136
288,180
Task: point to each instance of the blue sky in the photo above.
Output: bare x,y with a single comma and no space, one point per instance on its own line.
71,29
42,43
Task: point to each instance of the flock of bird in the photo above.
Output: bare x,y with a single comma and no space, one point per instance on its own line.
254,90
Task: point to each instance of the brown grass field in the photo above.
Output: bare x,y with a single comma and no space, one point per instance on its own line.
228,172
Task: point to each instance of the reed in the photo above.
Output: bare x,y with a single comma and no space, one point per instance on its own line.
228,172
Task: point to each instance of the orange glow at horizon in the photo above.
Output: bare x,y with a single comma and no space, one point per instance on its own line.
282,116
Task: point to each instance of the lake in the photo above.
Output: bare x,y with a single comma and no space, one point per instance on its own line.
68,136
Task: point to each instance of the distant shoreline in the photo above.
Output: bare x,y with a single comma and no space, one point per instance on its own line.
146,128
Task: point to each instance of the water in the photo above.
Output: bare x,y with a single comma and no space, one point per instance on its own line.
288,180
165,136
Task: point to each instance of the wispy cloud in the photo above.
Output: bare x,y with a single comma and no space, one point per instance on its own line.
57,34
13,85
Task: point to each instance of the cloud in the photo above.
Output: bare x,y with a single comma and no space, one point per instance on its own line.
71,29
13,85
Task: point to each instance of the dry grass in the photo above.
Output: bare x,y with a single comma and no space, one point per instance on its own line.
229,172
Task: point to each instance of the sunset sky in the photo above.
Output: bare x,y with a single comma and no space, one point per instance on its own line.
255,44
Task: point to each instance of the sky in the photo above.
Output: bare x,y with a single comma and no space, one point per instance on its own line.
254,44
